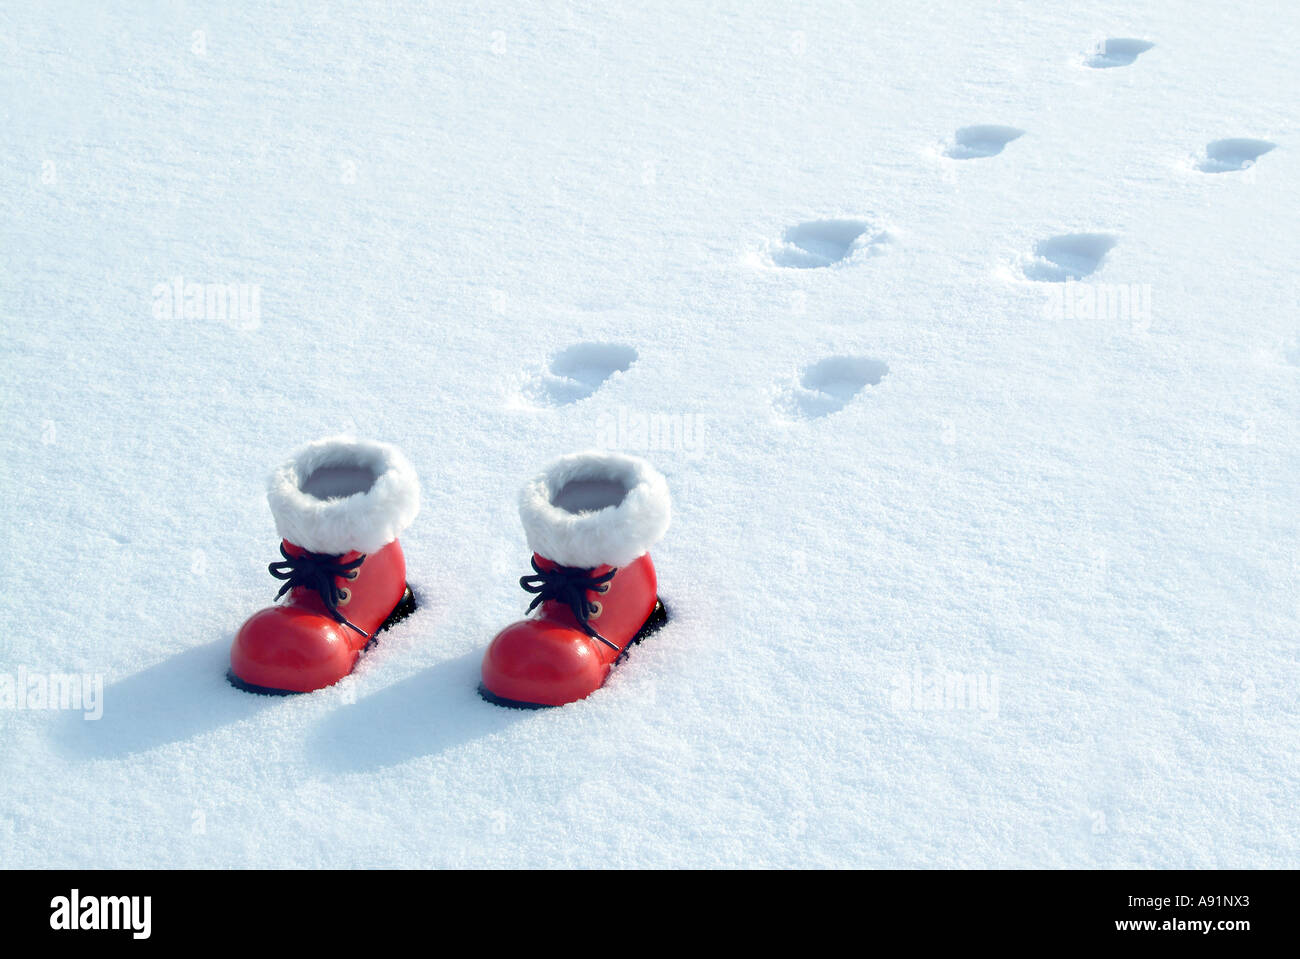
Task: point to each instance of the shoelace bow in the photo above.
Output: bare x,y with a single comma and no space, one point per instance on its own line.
568,585
319,572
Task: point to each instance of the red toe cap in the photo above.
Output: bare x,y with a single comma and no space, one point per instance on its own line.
542,662
289,648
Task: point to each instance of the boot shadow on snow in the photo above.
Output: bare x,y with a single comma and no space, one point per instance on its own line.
427,714
172,701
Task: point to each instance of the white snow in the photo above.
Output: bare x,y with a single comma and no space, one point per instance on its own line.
493,234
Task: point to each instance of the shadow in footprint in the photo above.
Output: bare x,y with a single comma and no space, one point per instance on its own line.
173,701
1227,156
578,371
1069,257
820,243
1117,52
971,143
827,385
429,713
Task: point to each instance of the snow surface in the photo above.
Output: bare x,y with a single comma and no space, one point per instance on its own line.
492,236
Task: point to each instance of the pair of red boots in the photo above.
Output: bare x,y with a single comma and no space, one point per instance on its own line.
339,505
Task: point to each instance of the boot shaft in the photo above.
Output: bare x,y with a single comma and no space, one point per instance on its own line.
370,591
623,603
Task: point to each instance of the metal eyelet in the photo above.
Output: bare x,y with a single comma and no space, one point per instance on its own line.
604,587
345,596
596,610
352,574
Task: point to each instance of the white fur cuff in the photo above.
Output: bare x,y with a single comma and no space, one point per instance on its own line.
364,521
614,535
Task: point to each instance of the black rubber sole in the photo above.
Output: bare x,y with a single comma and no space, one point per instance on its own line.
658,617
404,608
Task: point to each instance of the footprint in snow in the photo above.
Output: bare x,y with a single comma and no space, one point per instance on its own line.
828,385
972,143
1117,52
1227,156
578,371
1071,256
820,243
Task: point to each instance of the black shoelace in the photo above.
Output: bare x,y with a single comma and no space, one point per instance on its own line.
319,572
568,585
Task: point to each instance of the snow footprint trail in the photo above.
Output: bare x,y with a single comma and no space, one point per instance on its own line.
1071,256
828,385
821,243
971,143
1117,52
1228,156
578,371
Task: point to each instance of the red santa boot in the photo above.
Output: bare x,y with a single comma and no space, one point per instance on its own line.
339,505
589,519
